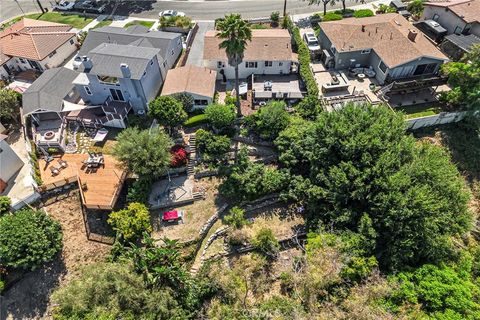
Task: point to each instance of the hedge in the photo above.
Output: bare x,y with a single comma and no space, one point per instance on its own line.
332,16
304,60
363,13
196,120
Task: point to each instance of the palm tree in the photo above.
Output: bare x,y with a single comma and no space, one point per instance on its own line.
236,32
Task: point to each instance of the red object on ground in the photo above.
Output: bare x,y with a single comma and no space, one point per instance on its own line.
170,215
179,156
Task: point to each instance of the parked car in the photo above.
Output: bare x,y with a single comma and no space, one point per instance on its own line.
64,5
171,13
312,41
89,6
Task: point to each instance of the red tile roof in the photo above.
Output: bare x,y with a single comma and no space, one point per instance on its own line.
33,39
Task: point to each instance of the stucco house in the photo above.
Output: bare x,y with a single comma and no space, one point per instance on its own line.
10,163
457,16
387,44
35,44
196,81
125,65
268,53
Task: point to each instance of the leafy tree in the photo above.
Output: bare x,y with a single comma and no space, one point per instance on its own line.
10,102
364,163
5,205
236,218
266,242
463,77
416,7
186,100
114,291
212,147
235,32
270,120
309,108
139,190
168,111
363,13
28,239
220,116
145,152
130,223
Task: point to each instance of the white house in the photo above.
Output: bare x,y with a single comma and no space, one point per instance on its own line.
457,16
268,53
196,81
35,44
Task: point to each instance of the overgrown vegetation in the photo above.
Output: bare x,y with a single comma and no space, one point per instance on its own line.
212,148
176,21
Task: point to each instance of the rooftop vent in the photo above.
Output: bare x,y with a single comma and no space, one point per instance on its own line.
363,28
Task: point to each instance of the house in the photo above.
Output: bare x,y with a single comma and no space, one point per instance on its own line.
10,163
386,44
196,81
125,65
457,16
35,44
456,45
52,100
268,53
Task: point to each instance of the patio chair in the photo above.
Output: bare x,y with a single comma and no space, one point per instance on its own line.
63,164
54,171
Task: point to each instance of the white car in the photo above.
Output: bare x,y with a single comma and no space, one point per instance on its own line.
64,5
312,41
171,13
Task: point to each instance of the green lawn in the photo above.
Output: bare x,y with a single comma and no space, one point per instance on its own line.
74,20
422,110
144,23
103,23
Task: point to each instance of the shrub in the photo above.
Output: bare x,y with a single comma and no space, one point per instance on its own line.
5,205
139,191
304,60
331,16
270,120
236,218
383,8
130,223
186,100
28,239
220,116
230,99
416,7
167,110
213,148
179,156
195,120
363,13
275,17
266,242
10,101
176,21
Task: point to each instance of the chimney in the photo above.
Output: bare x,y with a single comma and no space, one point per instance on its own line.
125,70
363,28
412,34
87,63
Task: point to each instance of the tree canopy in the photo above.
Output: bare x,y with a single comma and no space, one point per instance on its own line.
185,99
145,152
28,239
220,116
168,111
10,102
130,223
270,120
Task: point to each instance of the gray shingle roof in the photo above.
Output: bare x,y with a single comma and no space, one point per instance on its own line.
48,91
465,42
107,58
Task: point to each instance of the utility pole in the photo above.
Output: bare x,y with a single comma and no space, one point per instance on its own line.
40,5
284,8
23,13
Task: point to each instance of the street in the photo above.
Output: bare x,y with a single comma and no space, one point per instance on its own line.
198,10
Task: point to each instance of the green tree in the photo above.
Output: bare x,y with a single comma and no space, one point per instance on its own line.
416,7
309,108
130,223
212,148
235,32
364,163
10,102
168,111
270,120
266,242
145,152
114,291
236,218
5,205
28,239
220,116
186,100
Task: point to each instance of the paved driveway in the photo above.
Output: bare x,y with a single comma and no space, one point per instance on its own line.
195,56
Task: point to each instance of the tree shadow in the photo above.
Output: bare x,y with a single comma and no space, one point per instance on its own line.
128,7
29,297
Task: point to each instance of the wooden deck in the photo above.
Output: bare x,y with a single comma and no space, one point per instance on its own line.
99,187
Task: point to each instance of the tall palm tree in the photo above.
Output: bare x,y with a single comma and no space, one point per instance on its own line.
236,32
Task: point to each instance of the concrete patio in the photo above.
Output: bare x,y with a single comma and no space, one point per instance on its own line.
165,193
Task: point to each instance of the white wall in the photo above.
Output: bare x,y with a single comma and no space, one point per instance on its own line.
441,118
63,52
278,67
10,162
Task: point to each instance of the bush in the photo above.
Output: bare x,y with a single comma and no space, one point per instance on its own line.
2,285
236,218
266,242
363,13
383,8
275,17
186,100
331,16
10,101
270,120
195,120
220,116
304,60
5,205
416,7
139,191
213,148
130,223
28,239
168,111
179,156
176,21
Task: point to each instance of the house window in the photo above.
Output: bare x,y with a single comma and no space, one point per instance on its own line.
332,48
108,79
425,69
382,66
280,64
117,95
173,52
268,63
151,62
457,30
164,64
250,64
52,54
71,41
144,73
435,17
467,29
87,90
200,102
366,51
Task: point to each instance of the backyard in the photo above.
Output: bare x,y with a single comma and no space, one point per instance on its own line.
420,110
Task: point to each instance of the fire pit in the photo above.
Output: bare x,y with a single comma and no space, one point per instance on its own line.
49,135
